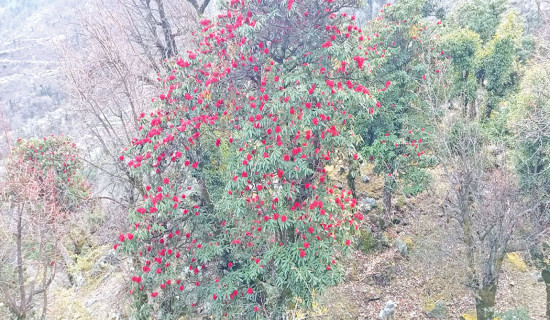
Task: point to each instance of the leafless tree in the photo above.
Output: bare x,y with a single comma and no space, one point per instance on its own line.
113,66
484,200
543,11
31,217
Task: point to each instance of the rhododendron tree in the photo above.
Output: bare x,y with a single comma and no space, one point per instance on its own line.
40,189
59,155
240,217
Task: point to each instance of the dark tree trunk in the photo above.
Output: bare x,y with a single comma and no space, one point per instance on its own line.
352,174
485,302
170,48
386,202
473,111
485,297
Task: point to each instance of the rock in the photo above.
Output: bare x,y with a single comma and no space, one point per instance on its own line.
537,277
371,201
469,316
366,204
388,311
439,311
516,261
374,295
110,258
363,206
402,247
365,178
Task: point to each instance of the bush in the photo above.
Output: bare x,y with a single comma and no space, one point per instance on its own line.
515,314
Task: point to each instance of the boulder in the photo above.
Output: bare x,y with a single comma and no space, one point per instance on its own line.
371,202
374,295
439,311
367,204
402,247
537,277
388,311
516,261
469,316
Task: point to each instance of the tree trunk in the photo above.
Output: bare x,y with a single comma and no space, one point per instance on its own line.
485,302
473,112
546,277
21,314
370,9
386,202
353,172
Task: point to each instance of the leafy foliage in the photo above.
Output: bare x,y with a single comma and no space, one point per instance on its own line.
528,115
482,17
394,133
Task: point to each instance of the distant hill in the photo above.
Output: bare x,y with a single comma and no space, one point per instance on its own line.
30,88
